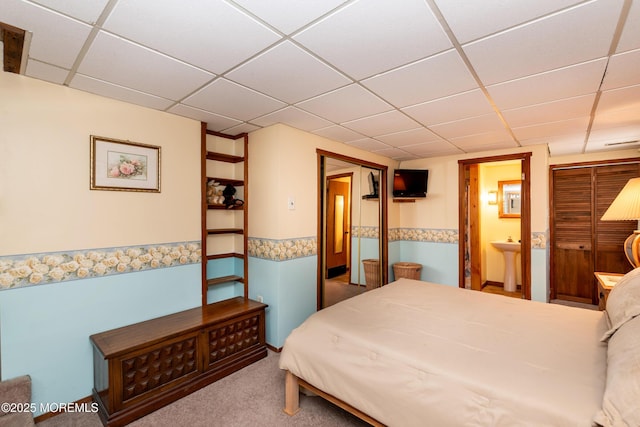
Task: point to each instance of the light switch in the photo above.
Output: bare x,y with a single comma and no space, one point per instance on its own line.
291,203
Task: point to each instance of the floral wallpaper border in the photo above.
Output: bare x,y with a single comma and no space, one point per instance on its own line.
282,250
19,271
538,239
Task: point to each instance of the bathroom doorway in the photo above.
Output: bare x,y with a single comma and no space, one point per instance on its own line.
470,204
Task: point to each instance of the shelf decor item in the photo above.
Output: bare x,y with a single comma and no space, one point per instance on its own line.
124,165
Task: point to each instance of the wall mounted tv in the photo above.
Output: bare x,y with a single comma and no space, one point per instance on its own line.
410,182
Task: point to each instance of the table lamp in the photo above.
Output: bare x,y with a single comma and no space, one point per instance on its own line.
626,206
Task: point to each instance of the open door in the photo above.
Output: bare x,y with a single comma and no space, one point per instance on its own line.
338,225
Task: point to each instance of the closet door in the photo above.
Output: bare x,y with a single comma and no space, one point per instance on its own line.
581,242
572,242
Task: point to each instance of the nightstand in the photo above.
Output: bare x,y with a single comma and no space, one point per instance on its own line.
606,282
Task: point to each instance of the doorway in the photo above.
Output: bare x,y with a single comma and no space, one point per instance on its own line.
338,225
470,260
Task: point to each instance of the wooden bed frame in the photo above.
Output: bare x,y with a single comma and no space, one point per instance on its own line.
292,385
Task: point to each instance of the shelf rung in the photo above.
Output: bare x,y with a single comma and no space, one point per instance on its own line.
225,181
227,255
228,158
224,279
223,207
224,231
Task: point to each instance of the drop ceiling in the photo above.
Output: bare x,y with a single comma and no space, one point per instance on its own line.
405,79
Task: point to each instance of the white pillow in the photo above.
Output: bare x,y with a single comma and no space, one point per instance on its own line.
621,400
623,302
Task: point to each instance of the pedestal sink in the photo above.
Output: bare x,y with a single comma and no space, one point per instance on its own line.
509,249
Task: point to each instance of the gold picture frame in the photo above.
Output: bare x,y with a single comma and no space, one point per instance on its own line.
118,165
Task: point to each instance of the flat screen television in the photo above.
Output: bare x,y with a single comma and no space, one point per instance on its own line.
410,182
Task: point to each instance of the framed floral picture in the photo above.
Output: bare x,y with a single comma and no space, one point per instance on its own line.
124,165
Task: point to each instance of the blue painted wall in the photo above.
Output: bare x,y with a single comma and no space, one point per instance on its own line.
289,288
46,329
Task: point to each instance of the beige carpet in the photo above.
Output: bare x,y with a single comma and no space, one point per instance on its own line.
253,396
338,289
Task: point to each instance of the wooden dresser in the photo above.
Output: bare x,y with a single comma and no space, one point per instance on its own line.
142,367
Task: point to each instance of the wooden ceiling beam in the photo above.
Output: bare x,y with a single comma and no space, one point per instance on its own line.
13,42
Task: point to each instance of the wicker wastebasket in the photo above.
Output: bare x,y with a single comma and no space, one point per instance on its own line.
371,273
407,270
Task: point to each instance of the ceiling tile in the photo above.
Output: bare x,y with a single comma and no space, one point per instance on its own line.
241,128
470,126
432,149
42,71
87,11
617,117
368,144
288,15
619,100
498,136
611,137
293,117
552,130
630,37
382,124
566,82
338,133
470,20
551,111
623,70
214,121
369,37
566,147
118,61
188,30
272,74
451,108
395,154
345,104
409,137
100,87
232,100
56,40
577,35
438,76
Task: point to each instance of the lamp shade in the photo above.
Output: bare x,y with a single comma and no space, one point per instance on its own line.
626,205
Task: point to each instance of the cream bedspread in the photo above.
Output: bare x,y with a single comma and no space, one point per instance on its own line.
414,353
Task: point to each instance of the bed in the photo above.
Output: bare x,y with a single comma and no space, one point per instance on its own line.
414,353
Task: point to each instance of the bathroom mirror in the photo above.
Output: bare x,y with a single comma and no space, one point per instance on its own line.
509,199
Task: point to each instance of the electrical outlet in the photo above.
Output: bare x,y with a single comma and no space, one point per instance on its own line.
259,298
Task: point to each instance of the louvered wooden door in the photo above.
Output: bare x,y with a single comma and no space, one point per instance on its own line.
572,252
581,242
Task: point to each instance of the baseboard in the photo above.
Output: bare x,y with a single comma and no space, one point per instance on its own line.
274,349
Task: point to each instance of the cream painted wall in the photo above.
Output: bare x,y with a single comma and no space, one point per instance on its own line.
45,200
440,208
283,164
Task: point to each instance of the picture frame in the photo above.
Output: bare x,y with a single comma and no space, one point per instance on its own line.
118,165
